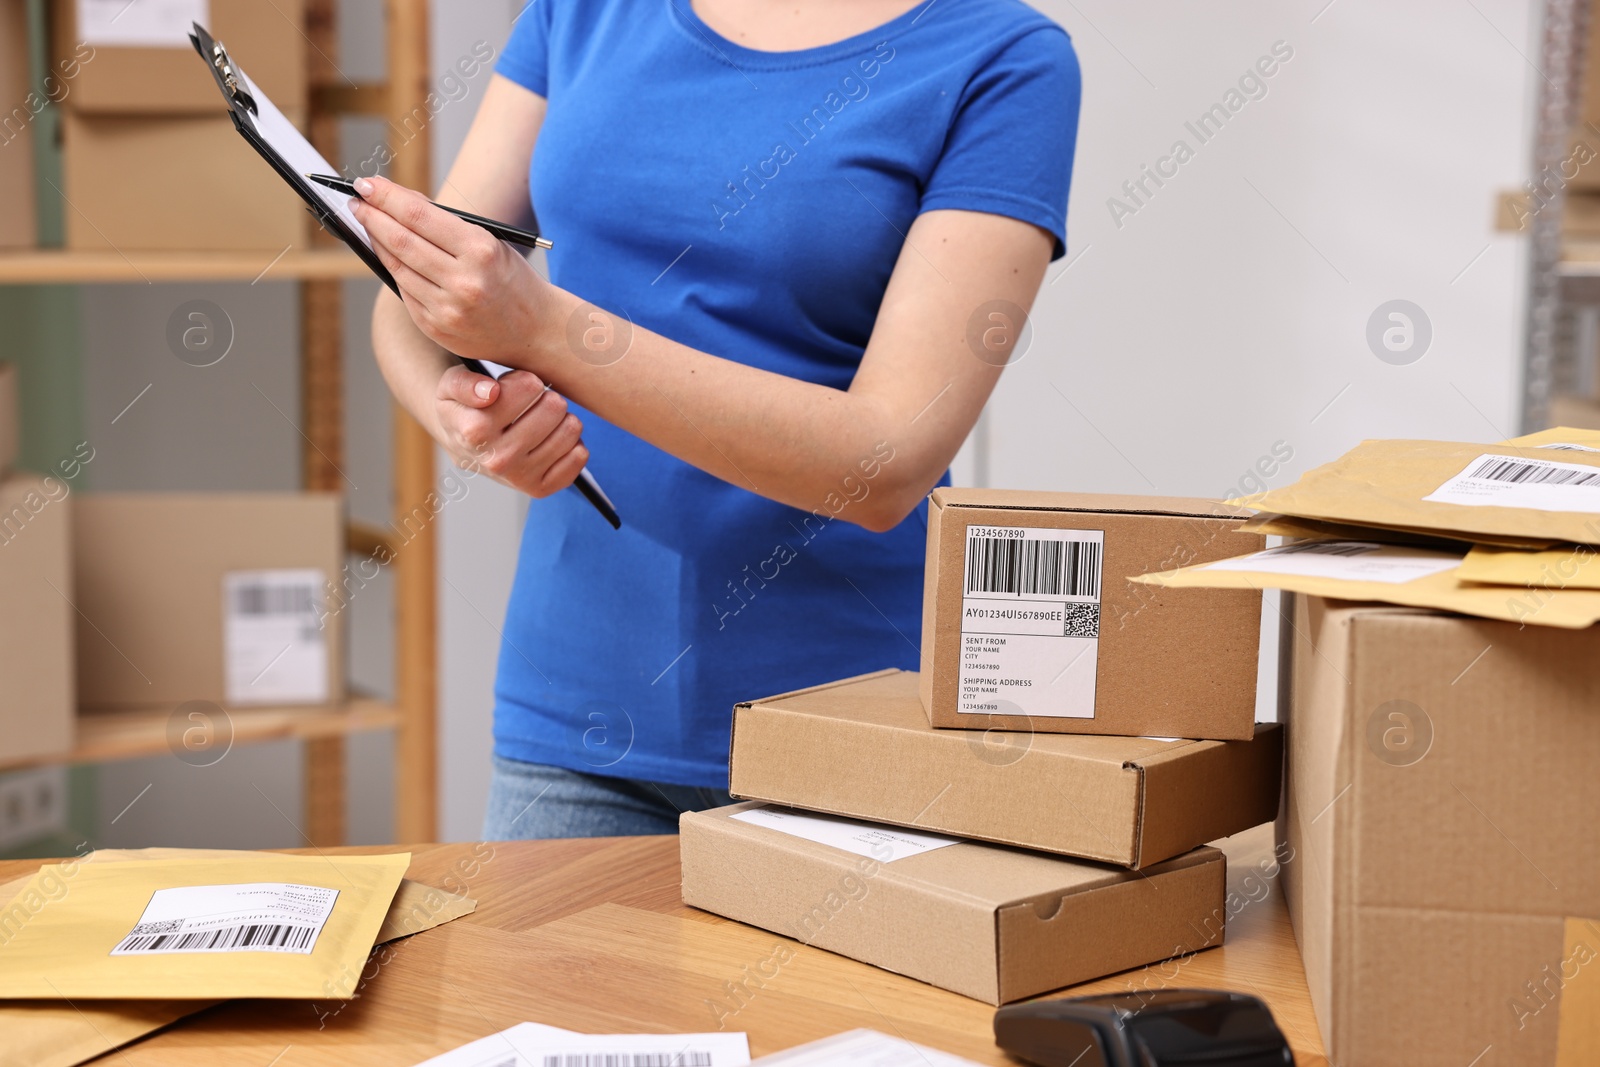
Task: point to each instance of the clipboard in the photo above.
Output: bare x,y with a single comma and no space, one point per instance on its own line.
259,122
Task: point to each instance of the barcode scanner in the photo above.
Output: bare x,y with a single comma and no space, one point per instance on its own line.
1153,1028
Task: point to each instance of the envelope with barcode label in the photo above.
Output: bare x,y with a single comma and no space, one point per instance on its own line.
1458,489
1388,573
250,926
54,1033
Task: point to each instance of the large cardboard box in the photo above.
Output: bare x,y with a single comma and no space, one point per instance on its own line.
18,112
1443,876
863,748
10,418
174,184
164,75
1029,621
993,923
211,597
36,680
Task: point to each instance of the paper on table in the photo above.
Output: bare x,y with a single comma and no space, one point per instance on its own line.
873,840
537,1045
862,1048
70,916
1568,567
1443,590
1388,482
145,24
53,1033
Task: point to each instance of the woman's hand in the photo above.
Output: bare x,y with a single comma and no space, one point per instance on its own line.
515,430
466,290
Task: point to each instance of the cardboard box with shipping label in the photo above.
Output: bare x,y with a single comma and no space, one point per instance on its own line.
1438,833
219,597
136,58
36,618
1029,621
993,923
184,183
863,748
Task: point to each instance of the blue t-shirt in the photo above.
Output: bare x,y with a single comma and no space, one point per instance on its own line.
752,205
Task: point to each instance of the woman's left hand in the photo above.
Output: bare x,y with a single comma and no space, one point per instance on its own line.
468,291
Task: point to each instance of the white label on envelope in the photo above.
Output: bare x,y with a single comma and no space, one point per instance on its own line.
1568,446
140,23
275,649
1030,621
867,1048
1351,561
1520,482
247,917
883,843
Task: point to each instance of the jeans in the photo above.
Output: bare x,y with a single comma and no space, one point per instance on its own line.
531,801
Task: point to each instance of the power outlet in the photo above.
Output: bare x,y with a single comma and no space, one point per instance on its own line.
32,804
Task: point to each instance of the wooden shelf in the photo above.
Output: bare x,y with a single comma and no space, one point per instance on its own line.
58,267
128,734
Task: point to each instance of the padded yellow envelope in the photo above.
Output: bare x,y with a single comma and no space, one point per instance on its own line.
1272,524
1567,567
250,926
1453,488
1390,574
54,1033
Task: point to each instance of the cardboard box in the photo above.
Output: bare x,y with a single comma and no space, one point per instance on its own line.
862,747
10,419
1029,622
175,184
993,923
18,112
267,39
36,699
1443,881
204,596
1579,411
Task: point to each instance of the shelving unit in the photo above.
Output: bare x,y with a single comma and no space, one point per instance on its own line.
318,267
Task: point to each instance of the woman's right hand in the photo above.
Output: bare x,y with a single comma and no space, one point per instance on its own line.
514,430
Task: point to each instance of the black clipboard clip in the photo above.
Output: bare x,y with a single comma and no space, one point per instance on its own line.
217,56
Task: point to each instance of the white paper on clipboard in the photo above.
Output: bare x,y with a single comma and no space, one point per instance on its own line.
281,136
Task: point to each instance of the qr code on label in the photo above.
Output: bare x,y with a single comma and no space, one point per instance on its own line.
165,926
1083,620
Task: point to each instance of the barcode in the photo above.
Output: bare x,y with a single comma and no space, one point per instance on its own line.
1561,447
629,1059
1326,548
274,600
1033,567
258,936
1509,470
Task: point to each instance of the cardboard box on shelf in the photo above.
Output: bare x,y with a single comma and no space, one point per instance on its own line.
1439,827
19,219
175,184
862,747
217,597
10,418
36,701
989,922
1029,621
137,59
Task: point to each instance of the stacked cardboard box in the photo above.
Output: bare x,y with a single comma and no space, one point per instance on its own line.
151,159
1004,830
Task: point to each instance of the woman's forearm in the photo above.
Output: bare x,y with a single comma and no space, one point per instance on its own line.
411,363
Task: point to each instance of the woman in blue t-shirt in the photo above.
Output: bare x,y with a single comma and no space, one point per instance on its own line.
794,245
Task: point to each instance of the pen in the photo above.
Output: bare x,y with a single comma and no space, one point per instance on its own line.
499,229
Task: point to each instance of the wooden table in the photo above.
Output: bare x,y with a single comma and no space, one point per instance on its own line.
591,935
